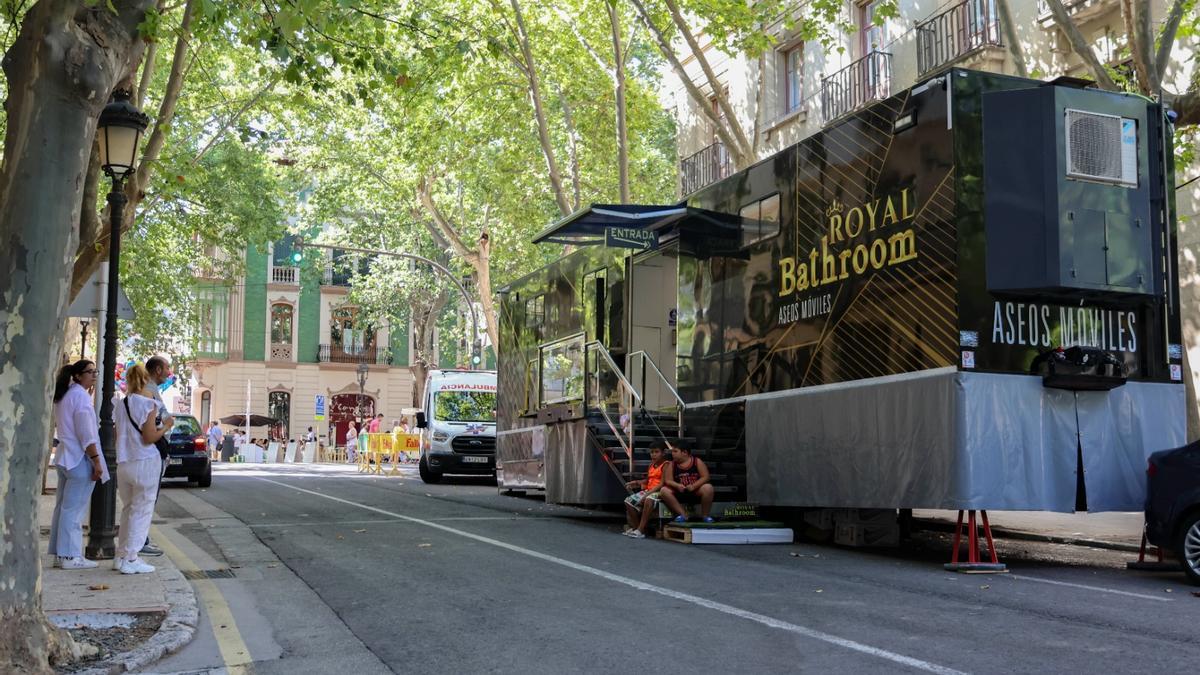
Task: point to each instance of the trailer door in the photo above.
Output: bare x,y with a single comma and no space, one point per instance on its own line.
653,292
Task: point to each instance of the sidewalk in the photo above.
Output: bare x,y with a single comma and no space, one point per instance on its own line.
135,619
1121,531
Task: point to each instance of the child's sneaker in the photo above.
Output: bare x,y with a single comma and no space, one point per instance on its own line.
680,519
708,519
636,534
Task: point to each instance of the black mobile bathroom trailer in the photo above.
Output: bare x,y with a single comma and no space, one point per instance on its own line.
960,297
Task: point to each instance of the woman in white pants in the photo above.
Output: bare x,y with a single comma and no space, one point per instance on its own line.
78,462
138,466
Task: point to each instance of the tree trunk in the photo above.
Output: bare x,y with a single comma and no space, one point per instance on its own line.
572,152
483,284
1079,45
91,252
744,145
61,69
702,102
1141,46
424,323
539,112
1010,36
614,20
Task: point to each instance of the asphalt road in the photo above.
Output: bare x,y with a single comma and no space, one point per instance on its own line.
335,572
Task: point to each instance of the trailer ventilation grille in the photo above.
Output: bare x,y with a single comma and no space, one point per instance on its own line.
1101,147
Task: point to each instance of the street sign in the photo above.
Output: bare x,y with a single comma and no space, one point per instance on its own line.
630,237
320,413
90,301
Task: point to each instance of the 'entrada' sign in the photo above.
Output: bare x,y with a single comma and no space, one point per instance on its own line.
631,237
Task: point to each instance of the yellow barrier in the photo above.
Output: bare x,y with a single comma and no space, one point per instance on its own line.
390,445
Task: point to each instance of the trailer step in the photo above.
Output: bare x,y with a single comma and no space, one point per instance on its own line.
728,533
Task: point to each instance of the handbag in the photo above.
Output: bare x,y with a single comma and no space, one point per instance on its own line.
163,445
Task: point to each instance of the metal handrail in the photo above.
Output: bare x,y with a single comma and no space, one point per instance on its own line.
613,366
597,347
645,358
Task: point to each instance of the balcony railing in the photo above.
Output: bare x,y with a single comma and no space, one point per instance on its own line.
704,168
865,80
285,275
339,354
956,32
281,352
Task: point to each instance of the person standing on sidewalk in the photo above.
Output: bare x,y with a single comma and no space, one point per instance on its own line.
139,466
159,370
78,462
215,436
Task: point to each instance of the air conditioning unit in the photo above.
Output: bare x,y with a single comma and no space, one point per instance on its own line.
1067,193
1101,147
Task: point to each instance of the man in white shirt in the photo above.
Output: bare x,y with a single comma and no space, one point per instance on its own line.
159,369
215,437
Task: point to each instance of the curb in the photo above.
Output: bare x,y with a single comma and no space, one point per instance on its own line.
1003,533
177,629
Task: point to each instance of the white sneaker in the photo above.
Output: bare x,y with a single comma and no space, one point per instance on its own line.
135,567
636,534
77,563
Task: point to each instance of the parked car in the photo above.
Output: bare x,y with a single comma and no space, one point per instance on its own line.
1173,505
189,452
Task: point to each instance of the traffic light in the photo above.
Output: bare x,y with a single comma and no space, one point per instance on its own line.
297,256
298,250
476,353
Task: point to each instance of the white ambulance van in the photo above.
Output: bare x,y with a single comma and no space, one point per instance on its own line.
458,424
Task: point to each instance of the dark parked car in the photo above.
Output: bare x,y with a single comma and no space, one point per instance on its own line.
189,452
1173,505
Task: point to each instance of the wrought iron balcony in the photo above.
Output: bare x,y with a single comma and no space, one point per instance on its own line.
952,34
863,81
340,354
704,168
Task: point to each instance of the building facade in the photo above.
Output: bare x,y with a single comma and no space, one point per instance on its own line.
284,335
796,88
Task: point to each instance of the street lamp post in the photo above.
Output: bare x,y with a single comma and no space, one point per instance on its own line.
120,127
363,369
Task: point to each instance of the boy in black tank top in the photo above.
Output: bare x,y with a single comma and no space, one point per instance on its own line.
686,481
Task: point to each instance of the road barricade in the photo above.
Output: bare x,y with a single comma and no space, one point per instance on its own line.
374,448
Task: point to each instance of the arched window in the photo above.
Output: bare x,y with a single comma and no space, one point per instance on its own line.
281,324
205,408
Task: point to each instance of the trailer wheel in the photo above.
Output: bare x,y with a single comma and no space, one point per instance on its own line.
1188,547
427,474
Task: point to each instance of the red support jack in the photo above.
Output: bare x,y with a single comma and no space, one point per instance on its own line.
974,565
1147,566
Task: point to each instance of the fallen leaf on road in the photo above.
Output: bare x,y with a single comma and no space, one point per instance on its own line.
820,590
1167,590
984,587
273,565
340,537
794,555
424,545
359,531
98,587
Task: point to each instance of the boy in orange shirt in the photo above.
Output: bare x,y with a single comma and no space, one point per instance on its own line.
639,505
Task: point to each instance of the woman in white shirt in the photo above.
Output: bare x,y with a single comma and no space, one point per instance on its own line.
77,460
138,466
352,444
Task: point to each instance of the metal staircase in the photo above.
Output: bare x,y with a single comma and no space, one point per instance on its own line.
622,427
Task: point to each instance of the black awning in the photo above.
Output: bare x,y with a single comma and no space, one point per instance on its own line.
589,226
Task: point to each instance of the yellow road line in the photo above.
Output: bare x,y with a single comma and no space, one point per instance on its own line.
234,651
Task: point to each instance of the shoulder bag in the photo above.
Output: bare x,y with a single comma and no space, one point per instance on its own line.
163,445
